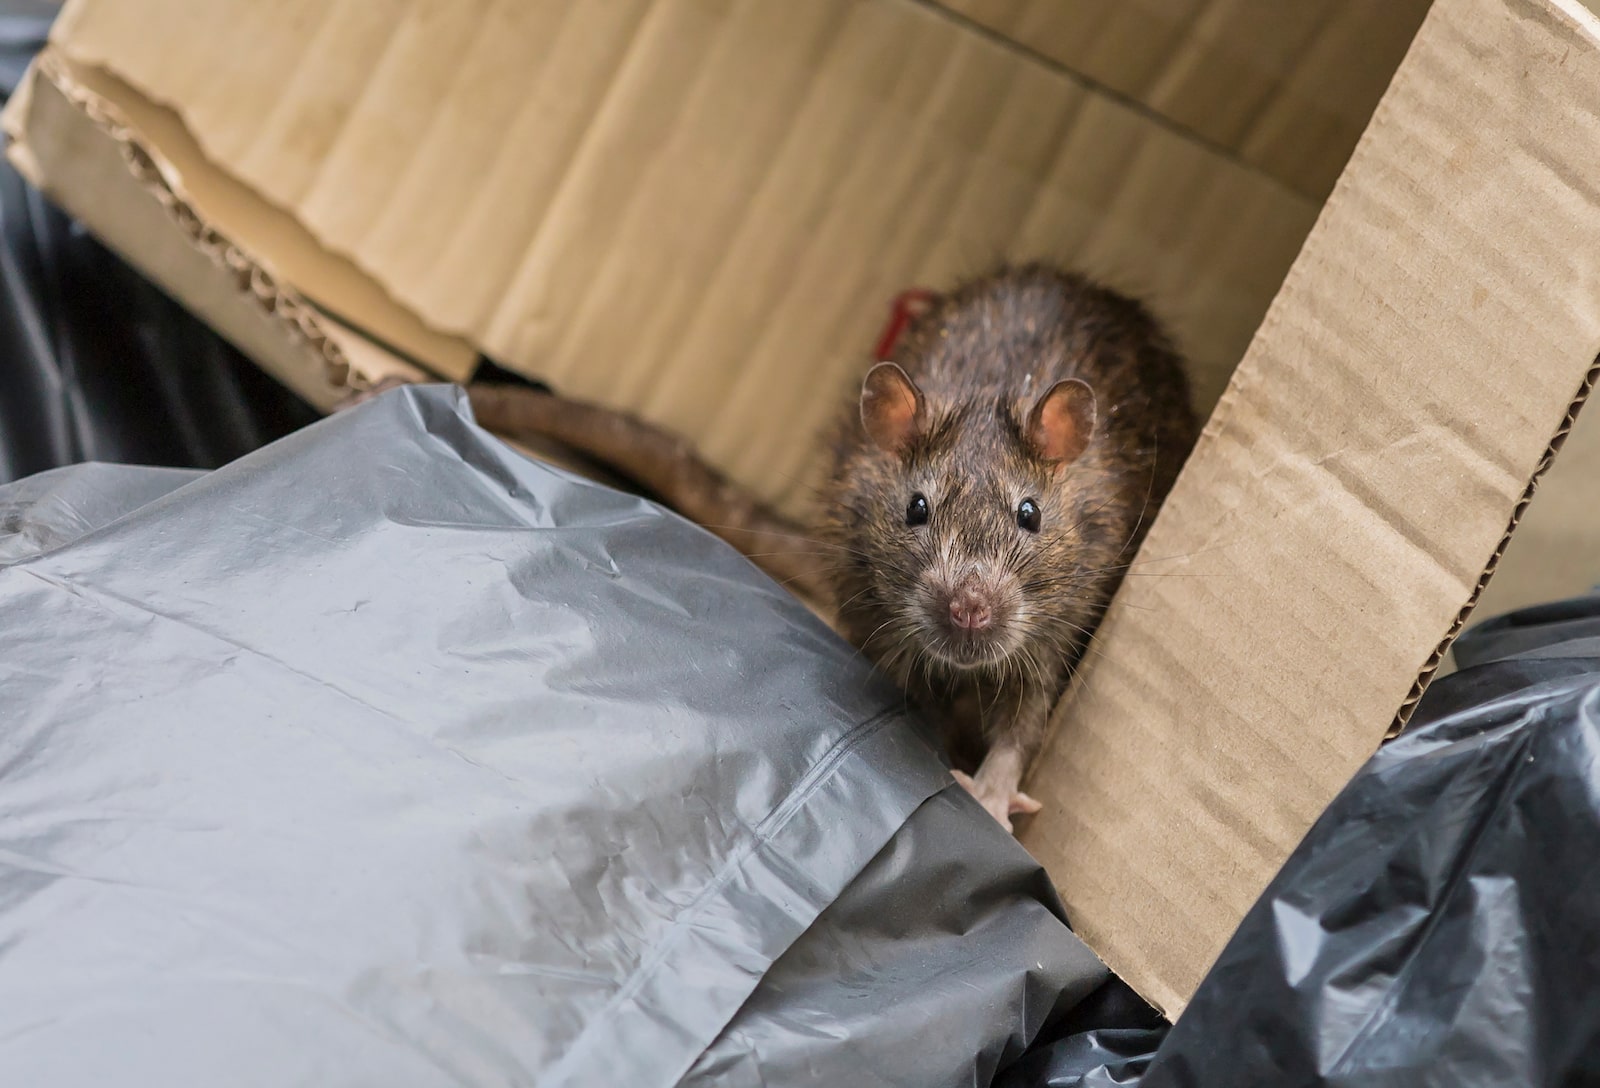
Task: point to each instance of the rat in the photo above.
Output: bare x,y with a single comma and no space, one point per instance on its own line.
988,489
1006,464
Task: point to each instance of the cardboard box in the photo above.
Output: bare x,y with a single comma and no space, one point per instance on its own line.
699,210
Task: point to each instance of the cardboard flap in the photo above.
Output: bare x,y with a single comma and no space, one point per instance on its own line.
275,238
1314,553
54,120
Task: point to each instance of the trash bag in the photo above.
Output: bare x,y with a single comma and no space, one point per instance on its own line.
24,29
385,755
1107,1041
1440,924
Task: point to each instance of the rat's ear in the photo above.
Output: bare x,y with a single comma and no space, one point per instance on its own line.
1062,422
891,407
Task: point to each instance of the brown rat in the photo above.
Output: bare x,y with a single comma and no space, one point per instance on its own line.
1003,471
987,493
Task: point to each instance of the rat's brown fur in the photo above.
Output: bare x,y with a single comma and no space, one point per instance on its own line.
981,359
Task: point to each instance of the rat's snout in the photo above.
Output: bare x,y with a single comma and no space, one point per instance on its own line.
972,614
970,608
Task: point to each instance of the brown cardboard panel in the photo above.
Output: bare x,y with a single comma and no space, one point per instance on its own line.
1304,131
1356,479
1286,86
79,150
698,211
916,153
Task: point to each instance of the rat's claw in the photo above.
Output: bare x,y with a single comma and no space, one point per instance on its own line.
1022,803
1001,804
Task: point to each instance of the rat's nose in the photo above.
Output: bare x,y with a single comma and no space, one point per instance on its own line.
970,612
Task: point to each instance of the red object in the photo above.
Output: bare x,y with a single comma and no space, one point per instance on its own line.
907,305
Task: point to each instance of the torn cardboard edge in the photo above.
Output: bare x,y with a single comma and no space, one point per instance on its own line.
276,237
1403,717
265,318
330,339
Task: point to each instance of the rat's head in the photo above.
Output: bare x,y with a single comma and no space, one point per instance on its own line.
971,532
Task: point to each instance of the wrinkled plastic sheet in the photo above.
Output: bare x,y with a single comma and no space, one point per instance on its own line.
1440,925
385,755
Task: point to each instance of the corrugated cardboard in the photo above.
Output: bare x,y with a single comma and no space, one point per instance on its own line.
1349,494
699,210
1556,551
606,195
81,149
1285,86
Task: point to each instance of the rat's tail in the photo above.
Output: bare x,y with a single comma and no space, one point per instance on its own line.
668,466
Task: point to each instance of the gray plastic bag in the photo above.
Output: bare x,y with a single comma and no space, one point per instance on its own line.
386,756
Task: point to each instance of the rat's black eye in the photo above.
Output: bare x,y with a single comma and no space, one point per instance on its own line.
917,512
1028,515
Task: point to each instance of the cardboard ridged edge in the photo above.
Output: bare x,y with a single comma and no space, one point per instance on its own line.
1425,677
264,318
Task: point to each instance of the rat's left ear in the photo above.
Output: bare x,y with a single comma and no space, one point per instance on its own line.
892,410
1062,422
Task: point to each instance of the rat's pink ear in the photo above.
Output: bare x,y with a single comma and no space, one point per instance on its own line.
1062,422
891,407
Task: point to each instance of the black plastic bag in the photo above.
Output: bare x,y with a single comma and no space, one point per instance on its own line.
1440,925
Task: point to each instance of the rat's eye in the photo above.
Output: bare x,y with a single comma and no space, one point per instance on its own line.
1028,515
917,512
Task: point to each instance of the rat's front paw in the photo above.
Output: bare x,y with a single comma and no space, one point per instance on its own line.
999,802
